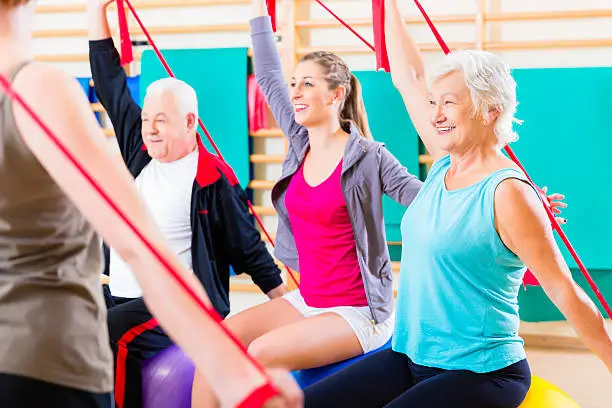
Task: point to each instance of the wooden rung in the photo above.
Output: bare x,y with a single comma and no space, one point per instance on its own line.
267,158
76,32
143,4
261,184
243,287
63,57
548,15
71,57
192,29
425,159
109,132
268,133
97,107
362,49
260,210
366,22
395,266
537,45
148,4
61,8
265,239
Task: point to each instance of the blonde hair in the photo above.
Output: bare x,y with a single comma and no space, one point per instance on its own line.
337,73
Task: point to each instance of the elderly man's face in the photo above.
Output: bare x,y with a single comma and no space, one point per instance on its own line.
168,133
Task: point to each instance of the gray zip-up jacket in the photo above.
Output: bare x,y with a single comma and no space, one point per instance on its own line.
369,170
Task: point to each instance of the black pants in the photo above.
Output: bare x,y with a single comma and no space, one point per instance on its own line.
391,380
131,328
23,392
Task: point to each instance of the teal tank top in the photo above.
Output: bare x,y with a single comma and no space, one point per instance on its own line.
457,305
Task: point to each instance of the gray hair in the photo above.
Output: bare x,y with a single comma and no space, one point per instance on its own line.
184,94
491,86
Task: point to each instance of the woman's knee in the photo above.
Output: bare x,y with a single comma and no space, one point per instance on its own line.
262,350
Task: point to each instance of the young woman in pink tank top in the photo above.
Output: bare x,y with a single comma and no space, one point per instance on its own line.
331,227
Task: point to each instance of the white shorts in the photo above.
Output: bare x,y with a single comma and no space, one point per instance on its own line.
371,336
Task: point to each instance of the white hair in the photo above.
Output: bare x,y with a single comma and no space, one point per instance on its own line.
184,94
491,86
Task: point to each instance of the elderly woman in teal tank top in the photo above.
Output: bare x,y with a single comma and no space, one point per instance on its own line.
467,239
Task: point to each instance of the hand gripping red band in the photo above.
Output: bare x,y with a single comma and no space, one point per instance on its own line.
208,136
12,94
124,34
258,397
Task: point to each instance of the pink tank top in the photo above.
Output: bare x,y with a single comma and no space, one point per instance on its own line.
329,270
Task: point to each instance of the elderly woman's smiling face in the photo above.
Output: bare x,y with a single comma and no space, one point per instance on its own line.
454,117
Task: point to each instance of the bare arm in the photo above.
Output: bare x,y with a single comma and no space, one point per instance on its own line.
269,71
65,109
97,27
408,75
110,81
525,229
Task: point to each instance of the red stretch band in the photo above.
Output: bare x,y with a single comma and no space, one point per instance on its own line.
208,136
272,12
124,34
12,94
346,25
258,397
378,15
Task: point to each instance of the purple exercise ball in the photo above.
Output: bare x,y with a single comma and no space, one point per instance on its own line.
167,380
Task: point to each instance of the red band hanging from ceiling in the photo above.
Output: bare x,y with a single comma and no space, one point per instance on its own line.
272,12
378,15
127,55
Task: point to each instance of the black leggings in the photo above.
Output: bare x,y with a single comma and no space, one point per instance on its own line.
24,392
391,380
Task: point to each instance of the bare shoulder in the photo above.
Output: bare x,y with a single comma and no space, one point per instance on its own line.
41,73
50,91
40,83
513,190
58,101
516,202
